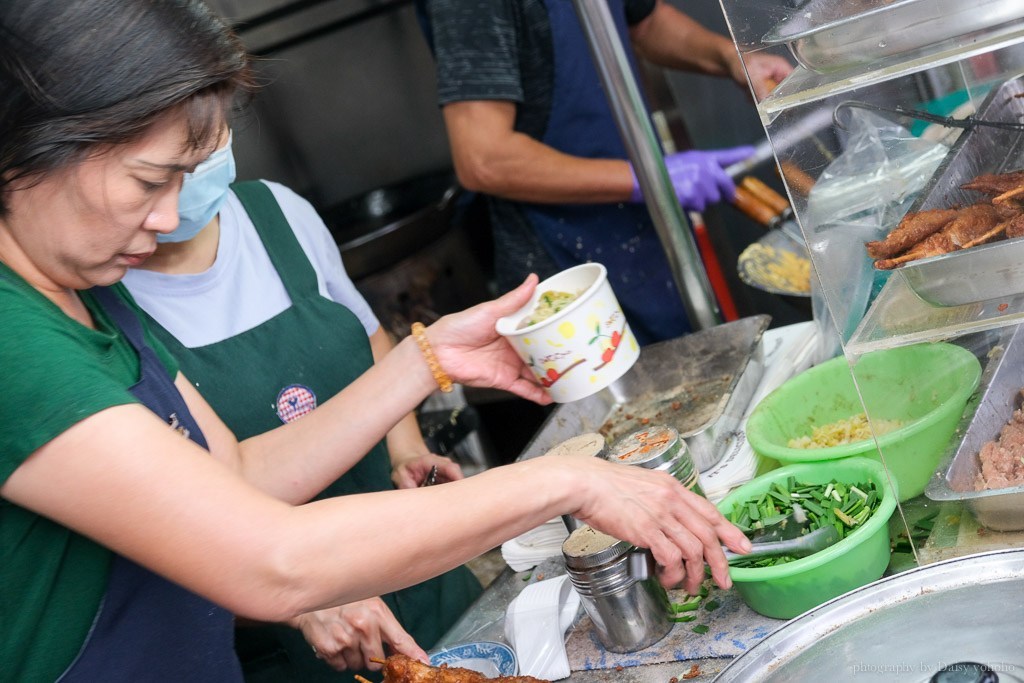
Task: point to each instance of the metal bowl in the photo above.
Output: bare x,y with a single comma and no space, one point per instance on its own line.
834,35
903,628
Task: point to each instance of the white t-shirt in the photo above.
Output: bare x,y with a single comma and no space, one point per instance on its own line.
242,265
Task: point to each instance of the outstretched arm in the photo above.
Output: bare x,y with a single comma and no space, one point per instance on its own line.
669,38
122,478
298,460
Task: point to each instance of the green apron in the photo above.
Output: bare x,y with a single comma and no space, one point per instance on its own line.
275,373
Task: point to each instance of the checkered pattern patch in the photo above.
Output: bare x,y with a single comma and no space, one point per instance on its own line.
294,401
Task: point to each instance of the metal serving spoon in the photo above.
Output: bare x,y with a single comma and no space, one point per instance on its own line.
801,546
787,537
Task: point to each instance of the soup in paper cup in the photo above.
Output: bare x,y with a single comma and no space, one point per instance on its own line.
573,334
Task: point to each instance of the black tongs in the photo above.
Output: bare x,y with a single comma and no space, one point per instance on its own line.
967,123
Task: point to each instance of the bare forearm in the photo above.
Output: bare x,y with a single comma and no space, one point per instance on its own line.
185,516
197,523
672,39
296,461
491,157
405,437
376,552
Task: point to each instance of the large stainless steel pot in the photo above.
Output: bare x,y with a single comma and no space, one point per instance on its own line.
904,627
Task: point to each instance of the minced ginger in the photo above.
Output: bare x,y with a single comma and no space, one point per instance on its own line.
840,432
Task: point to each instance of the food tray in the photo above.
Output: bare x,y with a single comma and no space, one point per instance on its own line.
998,509
765,264
699,383
833,35
988,271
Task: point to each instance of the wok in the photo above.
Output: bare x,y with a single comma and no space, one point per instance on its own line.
376,230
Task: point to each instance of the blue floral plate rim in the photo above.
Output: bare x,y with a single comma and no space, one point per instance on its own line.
499,654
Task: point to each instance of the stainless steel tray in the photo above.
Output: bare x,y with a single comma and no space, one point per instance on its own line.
999,509
990,271
833,35
699,383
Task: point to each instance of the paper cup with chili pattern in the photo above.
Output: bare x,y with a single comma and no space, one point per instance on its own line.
584,346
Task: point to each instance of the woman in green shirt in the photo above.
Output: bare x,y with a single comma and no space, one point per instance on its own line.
125,548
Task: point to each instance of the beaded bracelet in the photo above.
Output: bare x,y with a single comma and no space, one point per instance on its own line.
419,333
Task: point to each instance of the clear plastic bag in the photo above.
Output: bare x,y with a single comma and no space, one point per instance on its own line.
860,197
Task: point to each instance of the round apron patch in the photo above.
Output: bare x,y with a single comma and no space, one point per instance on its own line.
294,401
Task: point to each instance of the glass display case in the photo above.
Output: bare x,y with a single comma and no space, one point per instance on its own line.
898,138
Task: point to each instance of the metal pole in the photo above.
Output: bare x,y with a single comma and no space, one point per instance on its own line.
645,153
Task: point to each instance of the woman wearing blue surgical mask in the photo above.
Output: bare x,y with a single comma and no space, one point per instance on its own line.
250,294
202,193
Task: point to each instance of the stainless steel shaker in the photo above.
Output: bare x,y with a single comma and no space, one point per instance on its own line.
618,589
657,447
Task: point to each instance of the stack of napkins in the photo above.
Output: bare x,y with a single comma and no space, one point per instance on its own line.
536,622
536,545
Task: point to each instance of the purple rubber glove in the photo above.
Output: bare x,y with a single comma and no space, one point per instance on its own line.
699,177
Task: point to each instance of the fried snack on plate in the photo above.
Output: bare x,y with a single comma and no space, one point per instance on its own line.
403,669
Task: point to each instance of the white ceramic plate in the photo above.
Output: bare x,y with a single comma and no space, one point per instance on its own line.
486,657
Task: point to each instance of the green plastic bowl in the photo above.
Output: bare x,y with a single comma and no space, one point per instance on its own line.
789,589
926,386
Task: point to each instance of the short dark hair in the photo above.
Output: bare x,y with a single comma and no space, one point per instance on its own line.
79,73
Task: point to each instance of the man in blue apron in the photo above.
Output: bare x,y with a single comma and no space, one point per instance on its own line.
530,126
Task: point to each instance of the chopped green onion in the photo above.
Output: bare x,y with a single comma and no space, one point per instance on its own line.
848,506
847,520
691,603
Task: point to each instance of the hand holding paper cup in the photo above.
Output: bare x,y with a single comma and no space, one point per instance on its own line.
573,334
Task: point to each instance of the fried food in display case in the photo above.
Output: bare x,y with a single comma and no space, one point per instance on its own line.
933,232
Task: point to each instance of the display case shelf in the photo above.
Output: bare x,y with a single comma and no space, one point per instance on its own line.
899,317
804,86
850,50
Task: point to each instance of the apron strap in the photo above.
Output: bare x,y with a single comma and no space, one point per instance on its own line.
122,316
290,261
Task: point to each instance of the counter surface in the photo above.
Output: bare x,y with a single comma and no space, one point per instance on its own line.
485,621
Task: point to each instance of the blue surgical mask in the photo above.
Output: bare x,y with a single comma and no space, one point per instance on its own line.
202,194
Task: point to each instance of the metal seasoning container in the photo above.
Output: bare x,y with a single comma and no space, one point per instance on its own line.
590,444
657,447
616,584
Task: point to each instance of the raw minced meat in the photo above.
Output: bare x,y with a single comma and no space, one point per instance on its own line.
1002,460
